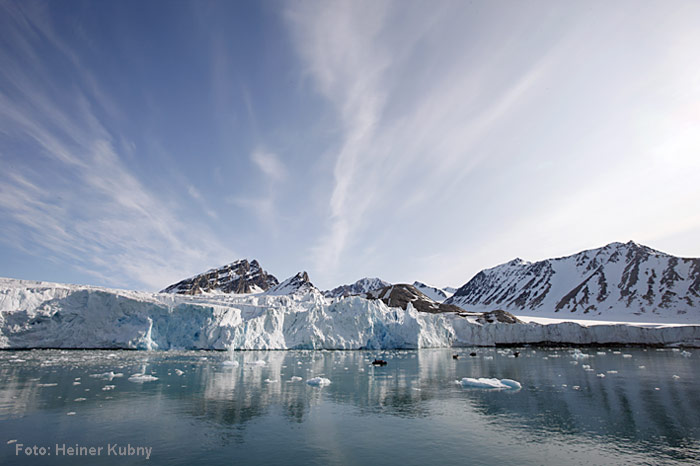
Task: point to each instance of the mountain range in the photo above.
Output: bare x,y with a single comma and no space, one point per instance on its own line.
625,280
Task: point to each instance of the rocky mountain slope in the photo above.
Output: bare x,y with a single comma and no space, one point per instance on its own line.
240,276
400,295
626,281
360,287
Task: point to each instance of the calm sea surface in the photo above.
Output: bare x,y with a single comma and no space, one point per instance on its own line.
645,410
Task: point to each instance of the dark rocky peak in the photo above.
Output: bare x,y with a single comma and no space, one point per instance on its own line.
239,276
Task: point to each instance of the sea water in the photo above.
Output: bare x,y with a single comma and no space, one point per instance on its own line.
587,406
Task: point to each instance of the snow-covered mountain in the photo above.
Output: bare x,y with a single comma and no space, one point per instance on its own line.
360,287
618,281
434,293
240,276
400,295
298,285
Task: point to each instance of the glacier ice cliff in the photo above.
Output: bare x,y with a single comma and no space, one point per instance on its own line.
47,315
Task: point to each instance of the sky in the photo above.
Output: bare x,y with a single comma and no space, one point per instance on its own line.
142,142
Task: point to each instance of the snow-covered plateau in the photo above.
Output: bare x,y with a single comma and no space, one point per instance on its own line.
48,315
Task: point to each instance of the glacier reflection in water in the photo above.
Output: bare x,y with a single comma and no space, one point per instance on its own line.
595,406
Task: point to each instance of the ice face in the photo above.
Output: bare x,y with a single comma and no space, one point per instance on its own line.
36,315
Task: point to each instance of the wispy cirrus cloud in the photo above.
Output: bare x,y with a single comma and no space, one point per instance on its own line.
356,57
455,120
66,192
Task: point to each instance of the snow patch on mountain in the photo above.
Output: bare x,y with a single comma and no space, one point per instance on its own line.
299,284
436,294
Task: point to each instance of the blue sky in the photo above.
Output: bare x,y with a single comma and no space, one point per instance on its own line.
143,142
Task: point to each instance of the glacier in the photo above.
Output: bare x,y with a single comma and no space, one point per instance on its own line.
49,315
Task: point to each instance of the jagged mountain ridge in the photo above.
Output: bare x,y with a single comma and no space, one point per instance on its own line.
237,277
617,279
298,284
361,286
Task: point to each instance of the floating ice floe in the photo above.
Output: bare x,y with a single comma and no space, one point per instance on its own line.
626,355
675,377
80,399
179,372
141,378
295,378
602,376
259,362
108,387
686,354
483,382
71,413
318,382
577,354
107,375
270,381
234,363
47,385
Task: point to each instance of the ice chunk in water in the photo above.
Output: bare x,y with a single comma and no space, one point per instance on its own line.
141,378
259,362
318,382
179,372
490,383
231,363
107,375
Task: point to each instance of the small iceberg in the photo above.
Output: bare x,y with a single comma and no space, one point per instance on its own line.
318,382
230,363
295,378
179,372
107,375
482,382
577,354
141,378
259,362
